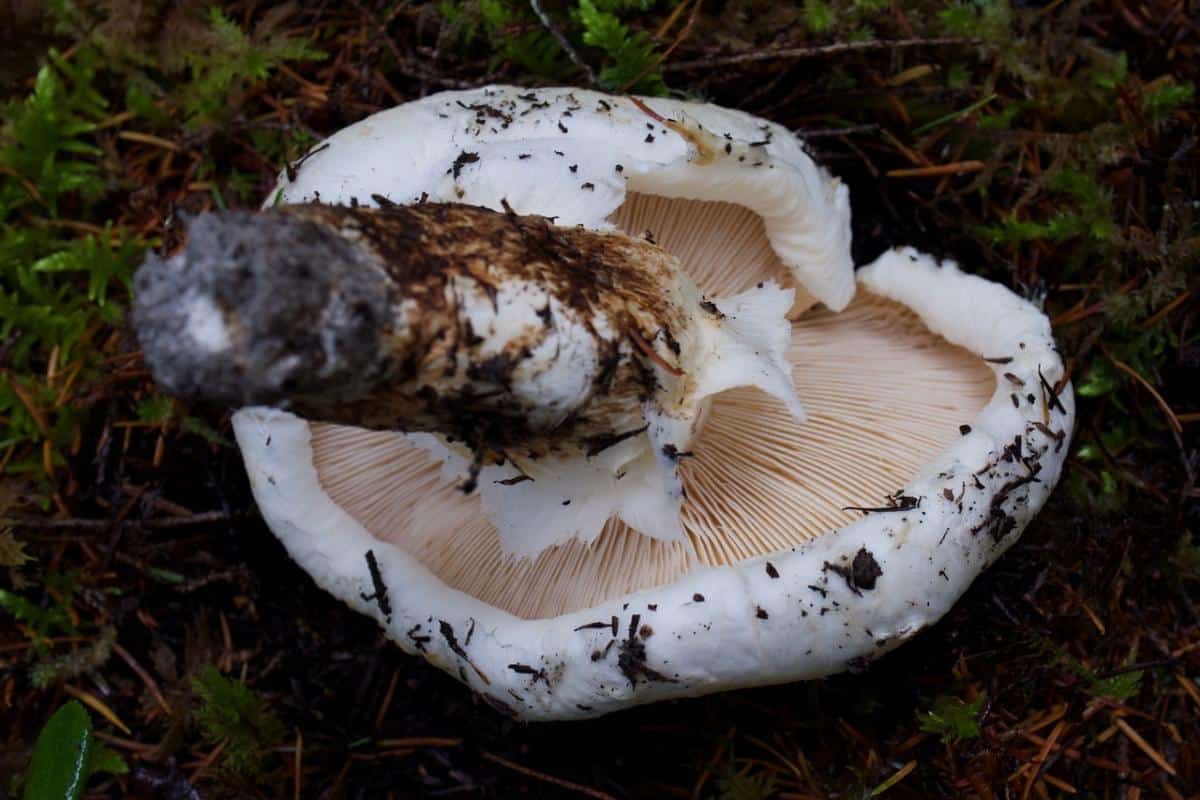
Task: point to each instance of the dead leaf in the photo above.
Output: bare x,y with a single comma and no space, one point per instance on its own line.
12,550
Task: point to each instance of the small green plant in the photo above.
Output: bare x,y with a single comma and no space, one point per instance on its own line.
988,20
1162,98
66,756
632,56
845,20
1084,211
160,410
1120,687
230,713
627,58
734,785
12,550
49,154
75,662
233,61
952,718
63,276
819,16
40,624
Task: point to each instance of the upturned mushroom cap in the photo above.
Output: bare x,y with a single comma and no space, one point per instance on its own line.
937,426
933,410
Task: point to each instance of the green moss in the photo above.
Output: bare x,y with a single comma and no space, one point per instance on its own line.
231,714
1164,98
819,16
623,57
41,620
63,286
234,61
48,147
952,718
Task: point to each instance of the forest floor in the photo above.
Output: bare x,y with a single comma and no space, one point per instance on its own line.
1052,147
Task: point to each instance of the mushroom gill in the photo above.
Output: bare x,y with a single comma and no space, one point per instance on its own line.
723,246
884,395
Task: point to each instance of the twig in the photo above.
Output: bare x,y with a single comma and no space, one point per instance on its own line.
896,777
387,702
561,38
146,138
1059,783
1190,687
815,52
954,115
650,353
702,778
937,170
1137,376
1039,761
1165,311
207,762
123,743
849,130
297,765
1141,665
34,523
670,21
25,182
1075,755
97,705
419,741
38,419
541,776
1145,747
147,679
683,34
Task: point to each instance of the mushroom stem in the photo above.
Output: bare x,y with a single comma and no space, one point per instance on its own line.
506,332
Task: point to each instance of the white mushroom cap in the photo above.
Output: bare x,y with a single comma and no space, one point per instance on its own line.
577,155
777,583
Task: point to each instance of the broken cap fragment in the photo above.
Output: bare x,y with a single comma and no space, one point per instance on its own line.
585,157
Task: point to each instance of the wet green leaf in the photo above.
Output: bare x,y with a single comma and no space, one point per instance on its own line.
59,767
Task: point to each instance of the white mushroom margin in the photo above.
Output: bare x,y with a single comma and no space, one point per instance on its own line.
802,613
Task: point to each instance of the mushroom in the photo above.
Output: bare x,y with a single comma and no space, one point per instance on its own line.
790,544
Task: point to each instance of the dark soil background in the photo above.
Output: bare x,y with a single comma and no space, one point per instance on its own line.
1048,146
